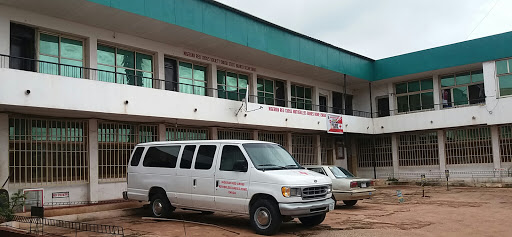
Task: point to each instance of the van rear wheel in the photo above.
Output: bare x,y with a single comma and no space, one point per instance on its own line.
312,220
265,217
160,205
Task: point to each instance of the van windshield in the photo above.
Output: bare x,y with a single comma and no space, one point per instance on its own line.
270,157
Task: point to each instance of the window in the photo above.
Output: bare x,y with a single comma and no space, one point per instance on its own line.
462,89
181,133
378,148
124,66
192,78
234,134
418,149
275,137
504,74
505,143
271,92
232,158
161,157
136,156
204,157
301,97
415,95
186,157
303,149
468,145
231,85
59,55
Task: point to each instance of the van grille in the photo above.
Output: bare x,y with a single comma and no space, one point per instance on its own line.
314,192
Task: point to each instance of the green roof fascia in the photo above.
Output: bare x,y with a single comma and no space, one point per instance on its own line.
224,22
468,52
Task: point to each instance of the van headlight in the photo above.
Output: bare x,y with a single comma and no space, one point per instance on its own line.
329,188
291,192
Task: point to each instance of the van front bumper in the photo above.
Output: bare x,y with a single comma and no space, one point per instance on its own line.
302,209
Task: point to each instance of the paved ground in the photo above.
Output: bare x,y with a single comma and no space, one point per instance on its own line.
458,212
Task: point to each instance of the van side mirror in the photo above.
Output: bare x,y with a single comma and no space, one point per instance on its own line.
240,166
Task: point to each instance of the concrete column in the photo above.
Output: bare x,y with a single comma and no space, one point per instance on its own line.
353,149
213,133
441,138
394,152
318,150
437,92
329,102
288,94
392,99
162,136
255,135
289,142
315,94
253,88
4,150
212,80
490,84
160,70
93,160
495,138
5,32
92,57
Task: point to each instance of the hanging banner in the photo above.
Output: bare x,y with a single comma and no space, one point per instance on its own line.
334,123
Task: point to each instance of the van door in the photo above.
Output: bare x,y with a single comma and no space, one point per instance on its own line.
232,180
203,177
184,177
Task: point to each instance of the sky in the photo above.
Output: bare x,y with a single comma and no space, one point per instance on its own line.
384,28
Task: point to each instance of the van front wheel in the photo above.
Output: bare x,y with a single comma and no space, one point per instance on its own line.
265,217
160,205
312,220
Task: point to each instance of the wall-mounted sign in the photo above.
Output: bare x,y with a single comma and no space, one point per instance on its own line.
334,123
60,195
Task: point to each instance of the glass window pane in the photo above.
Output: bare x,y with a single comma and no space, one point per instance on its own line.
106,73
221,77
242,81
308,105
463,78
144,62
221,92
49,44
476,94
106,55
199,73
501,67
477,76
294,88
505,85
427,100
186,157
447,98
125,58
261,98
71,49
401,88
447,81
413,86
48,68
231,79
300,104
71,71
460,95
269,99
414,102
300,91
269,86
232,93
260,85
307,93
204,157
185,70
241,94
427,84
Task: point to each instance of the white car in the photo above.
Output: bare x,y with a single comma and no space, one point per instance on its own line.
345,186
257,178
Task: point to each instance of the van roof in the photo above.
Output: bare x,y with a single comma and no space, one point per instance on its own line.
201,141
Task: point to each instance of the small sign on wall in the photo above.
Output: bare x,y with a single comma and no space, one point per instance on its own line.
334,123
60,195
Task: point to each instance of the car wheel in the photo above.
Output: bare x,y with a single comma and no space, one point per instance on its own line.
350,202
312,220
160,205
265,217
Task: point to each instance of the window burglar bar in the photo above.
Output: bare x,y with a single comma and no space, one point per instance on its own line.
506,143
225,134
327,150
47,151
186,133
383,153
468,146
115,144
418,149
303,149
275,137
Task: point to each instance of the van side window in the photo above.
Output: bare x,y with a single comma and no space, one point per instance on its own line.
232,159
161,157
186,157
136,156
204,157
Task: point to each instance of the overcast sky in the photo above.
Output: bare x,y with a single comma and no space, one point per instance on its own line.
384,28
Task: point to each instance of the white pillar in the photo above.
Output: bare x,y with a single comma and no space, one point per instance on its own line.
441,138
437,92
354,156
92,57
289,142
5,34
4,150
288,94
253,88
491,90
213,133
392,99
394,152
255,135
318,150
315,94
93,160
162,136
495,139
212,81
160,70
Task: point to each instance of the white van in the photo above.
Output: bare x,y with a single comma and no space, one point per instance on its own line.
250,177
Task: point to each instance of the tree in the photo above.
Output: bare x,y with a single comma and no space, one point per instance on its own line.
9,207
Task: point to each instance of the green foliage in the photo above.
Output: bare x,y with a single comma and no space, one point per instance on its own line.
392,179
8,207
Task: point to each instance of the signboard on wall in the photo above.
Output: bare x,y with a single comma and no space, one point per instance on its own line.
334,123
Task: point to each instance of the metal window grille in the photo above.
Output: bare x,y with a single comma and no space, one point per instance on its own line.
506,143
418,149
234,134
275,137
303,149
115,144
382,149
327,150
47,151
186,133
468,146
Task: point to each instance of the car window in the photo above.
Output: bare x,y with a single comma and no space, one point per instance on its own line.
186,157
318,170
204,157
162,156
232,159
339,172
136,156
